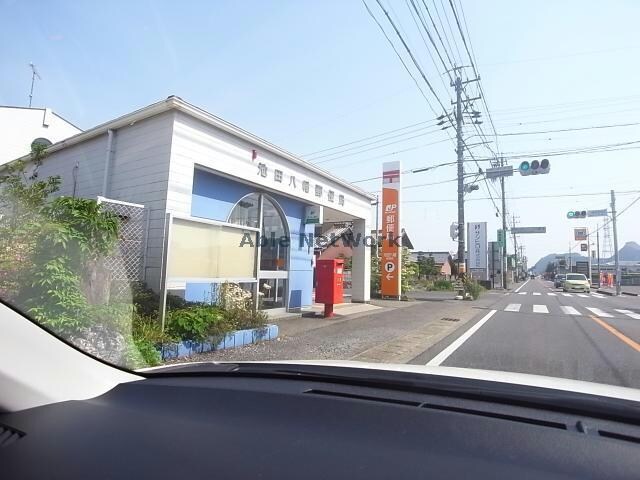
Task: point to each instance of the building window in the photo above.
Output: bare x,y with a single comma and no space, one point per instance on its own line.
275,241
277,176
340,199
305,186
246,212
318,190
331,195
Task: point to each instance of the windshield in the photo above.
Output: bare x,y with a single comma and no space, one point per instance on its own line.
375,181
577,277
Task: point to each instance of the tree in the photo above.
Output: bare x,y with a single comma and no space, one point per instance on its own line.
427,267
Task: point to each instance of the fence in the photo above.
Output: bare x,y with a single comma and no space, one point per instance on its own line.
127,263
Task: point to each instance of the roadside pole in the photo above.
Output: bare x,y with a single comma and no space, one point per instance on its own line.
503,264
598,251
615,243
460,165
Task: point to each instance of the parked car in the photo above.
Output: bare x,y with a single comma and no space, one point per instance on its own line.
559,280
576,282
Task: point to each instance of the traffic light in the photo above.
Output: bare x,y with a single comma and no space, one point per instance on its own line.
536,167
577,214
453,231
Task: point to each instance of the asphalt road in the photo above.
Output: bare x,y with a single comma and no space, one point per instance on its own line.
541,330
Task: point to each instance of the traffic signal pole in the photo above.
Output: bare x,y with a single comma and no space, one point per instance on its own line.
504,231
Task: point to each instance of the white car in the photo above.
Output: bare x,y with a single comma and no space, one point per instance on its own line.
576,282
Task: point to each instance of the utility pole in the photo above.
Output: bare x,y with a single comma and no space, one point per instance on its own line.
615,242
515,247
598,251
460,151
504,231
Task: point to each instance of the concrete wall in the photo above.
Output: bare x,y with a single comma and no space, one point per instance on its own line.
21,126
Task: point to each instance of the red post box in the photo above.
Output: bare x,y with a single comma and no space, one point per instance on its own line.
329,288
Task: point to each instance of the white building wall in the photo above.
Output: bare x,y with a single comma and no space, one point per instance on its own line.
20,126
138,173
195,142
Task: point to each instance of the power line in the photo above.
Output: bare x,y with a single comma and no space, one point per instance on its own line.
370,137
576,129
530,197
453,37
399,56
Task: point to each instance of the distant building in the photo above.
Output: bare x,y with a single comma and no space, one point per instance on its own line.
21,126
442,260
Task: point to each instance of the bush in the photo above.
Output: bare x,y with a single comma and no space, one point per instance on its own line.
197,322
474,288
147,302
442,285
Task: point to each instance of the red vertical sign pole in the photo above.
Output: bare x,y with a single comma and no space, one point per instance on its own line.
391,257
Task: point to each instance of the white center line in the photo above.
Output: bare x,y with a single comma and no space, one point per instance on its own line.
551,294
522,293
598,312
443,355
513,307
569,310
520,287
537,293
629,313
540,309
566,294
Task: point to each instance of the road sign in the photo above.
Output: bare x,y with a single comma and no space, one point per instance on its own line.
500,237
391,251
597,213
579,234
497,172
584,247
582,267
521,230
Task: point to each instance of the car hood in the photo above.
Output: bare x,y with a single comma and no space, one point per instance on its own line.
514,378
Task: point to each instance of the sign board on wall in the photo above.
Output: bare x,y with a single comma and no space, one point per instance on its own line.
477,238
390,261
579,234
313,214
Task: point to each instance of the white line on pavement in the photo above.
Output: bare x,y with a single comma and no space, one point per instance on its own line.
551,294
597,295
598,312
513,307
443,355
537,293
566,294
629,313
520,287
583,295
540,309
569,310
522,293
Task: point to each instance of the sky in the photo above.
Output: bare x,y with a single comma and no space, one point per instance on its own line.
312,75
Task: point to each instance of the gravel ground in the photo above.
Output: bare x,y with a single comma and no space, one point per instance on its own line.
346,339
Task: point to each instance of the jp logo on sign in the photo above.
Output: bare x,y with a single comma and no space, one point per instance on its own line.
389,267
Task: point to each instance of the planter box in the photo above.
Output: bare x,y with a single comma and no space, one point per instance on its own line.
234,339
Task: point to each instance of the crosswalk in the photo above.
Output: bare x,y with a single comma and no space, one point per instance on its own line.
569,310
564,294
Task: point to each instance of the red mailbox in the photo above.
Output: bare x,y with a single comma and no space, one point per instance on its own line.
329,288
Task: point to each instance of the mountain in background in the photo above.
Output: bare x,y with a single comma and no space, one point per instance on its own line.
629,253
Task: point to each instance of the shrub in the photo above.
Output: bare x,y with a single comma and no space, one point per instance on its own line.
442,285
147,301
197,322
474,288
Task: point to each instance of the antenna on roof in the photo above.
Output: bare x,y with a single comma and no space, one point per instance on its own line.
34,74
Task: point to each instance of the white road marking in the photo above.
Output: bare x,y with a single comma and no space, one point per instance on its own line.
522,293
583,295
513,307
540,309
569,310
566,294
537,293
551,294
443,355
629,313
598,312
597,295
520,287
